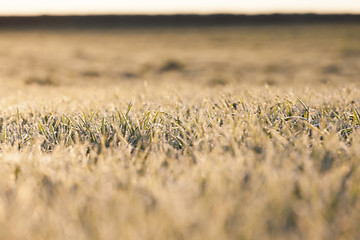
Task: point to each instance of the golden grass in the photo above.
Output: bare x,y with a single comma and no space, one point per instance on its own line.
232,133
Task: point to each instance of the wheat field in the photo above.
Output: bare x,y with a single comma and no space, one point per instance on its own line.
248,132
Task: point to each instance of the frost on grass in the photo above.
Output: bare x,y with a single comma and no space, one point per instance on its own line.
255,136
243,166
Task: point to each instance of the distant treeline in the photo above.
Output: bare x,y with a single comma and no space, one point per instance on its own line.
145,21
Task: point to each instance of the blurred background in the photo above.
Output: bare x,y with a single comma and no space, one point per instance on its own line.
210,44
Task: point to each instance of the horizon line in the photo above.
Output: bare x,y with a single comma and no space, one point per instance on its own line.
183,13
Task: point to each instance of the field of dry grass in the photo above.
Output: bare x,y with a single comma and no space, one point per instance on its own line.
214,133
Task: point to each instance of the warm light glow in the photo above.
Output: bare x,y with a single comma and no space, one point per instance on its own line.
35,7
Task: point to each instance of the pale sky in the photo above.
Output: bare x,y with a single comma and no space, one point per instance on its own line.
36,7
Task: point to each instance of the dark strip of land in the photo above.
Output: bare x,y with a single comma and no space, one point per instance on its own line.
146,21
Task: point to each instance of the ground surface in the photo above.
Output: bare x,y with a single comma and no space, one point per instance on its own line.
214,133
